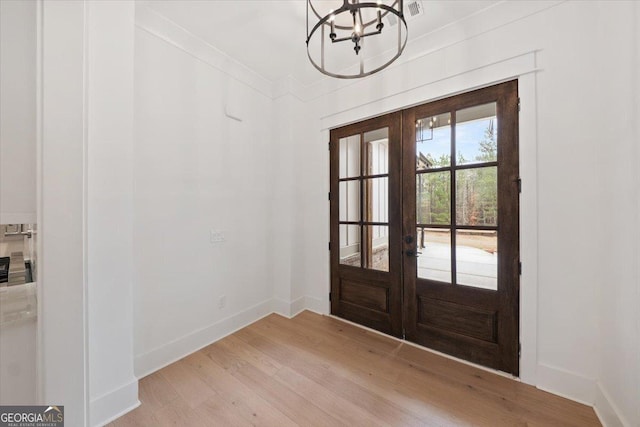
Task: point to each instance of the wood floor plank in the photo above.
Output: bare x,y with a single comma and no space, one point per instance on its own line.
347,412
188,385
280,396
323,370
315,370
438,390
156,392
250,355
477,395
252,407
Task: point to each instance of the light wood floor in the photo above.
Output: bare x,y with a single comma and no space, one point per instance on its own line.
314,370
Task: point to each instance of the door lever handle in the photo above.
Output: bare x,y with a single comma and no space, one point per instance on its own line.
412,252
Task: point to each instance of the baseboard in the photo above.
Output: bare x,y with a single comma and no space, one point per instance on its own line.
298,305
118,402
319,305
570,385
606,410
281,307
160,357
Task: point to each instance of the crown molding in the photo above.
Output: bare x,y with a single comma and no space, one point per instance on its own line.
165,29
472,26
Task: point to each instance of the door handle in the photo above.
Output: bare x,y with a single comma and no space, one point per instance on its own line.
413,252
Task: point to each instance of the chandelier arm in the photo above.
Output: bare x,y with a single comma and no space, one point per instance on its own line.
346,6
357,7
326,18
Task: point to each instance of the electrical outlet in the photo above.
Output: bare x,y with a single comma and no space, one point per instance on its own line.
216,236
222,302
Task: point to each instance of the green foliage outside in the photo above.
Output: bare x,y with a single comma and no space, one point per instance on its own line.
476,189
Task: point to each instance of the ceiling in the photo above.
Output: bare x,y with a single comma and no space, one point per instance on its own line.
269,36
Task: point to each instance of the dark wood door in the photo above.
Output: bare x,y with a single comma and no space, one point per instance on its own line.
460,226
366,223
424,225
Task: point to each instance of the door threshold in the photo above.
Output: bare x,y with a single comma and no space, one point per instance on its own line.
421,347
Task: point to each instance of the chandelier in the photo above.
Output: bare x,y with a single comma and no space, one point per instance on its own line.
349,39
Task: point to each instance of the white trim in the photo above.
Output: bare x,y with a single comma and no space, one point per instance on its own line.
318,305
175,350
297,306
410,93
488,19
281,307
158,358
85,208
293,308
124,399
481,22
636,114
62,211
528,147
606,410
39,133
165,29
522,67
567,384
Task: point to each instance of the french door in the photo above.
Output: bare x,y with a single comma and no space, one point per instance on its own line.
366,223
424,225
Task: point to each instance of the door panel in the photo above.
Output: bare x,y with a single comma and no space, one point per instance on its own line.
366,258
460,224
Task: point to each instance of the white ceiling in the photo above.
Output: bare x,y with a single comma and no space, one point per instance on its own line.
269,36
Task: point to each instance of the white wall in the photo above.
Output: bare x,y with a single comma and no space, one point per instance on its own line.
619,371
582,53
197,170
112,384
17,112
62,210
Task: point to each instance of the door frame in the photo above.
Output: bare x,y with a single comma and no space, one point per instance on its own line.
522,67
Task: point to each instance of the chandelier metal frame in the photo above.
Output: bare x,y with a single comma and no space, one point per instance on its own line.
359,30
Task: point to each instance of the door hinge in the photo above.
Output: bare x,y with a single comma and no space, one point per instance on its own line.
519,350
329,245
329,145
329,195
519,185
520,268
518,104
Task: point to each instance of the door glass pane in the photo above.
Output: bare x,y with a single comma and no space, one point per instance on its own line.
349,200
377,255
476,134
477,196
350,245
377,199
376,144
477,258
349,163
433,198
434,261
433,142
